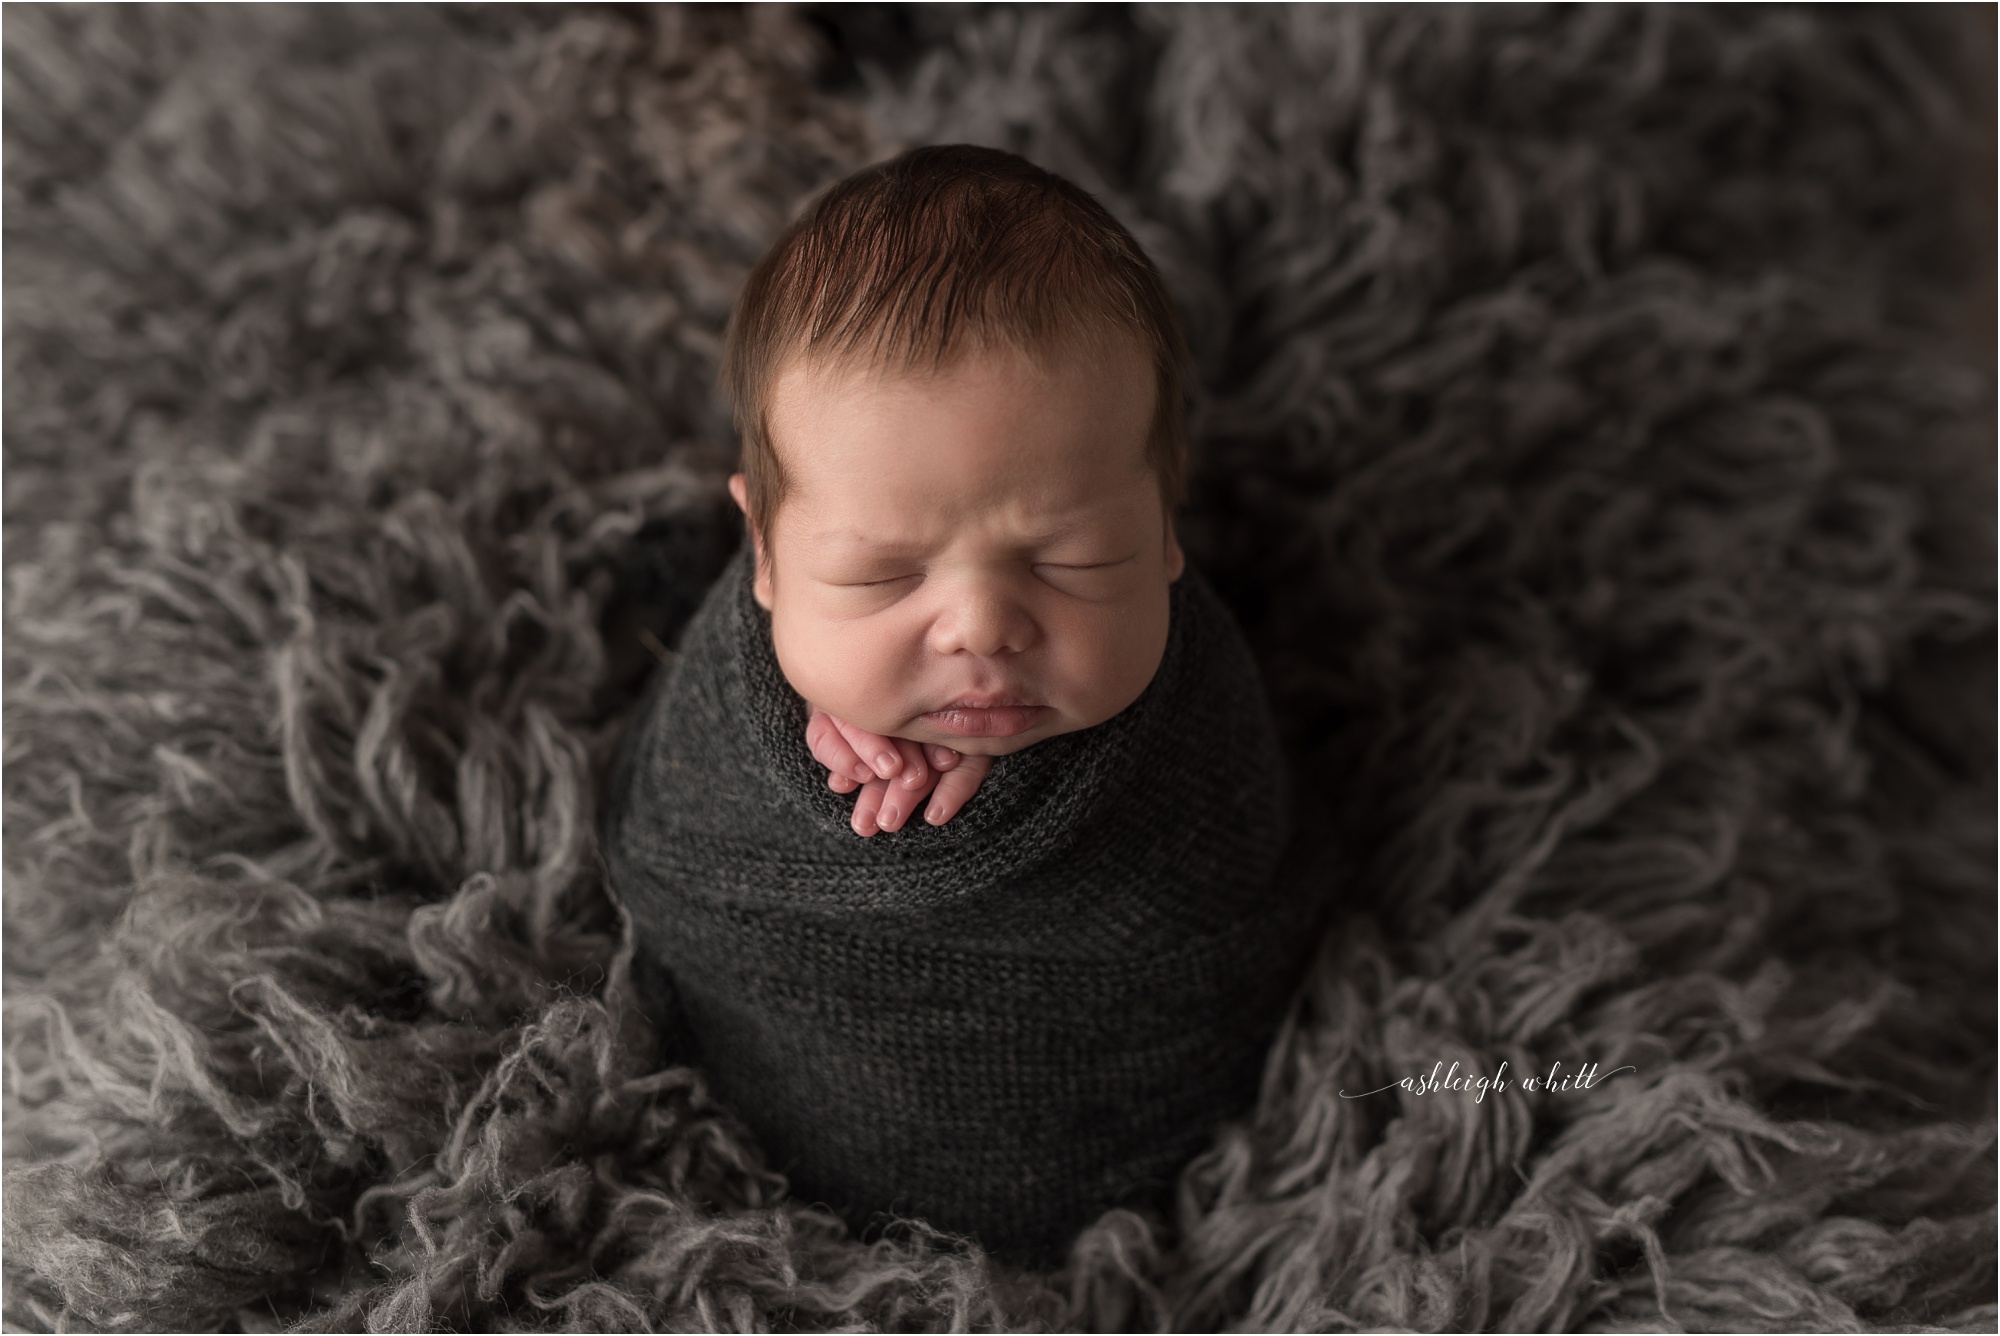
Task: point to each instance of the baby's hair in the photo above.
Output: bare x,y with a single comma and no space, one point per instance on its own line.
939,250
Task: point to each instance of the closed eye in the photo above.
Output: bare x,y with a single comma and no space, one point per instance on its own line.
1090,580
1081,565
875,584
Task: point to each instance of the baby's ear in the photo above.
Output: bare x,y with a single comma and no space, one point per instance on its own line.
739,491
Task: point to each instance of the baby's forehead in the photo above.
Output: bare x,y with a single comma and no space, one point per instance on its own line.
1026,441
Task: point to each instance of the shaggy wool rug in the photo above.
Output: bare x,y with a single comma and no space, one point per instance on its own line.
1586,442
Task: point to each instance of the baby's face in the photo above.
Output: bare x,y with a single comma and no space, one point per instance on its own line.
979,557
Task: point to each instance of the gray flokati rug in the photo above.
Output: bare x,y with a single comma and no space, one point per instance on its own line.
1582,447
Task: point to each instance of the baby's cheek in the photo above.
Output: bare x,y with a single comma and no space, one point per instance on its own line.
1109,656
851,670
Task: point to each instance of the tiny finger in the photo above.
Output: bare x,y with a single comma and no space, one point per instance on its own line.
831,750
840,783
867,806
915,774
900,804
879,752
955,788
941,758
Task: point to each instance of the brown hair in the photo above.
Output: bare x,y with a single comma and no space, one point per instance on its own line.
913,259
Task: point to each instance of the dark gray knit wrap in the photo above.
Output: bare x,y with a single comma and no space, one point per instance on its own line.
1005,1024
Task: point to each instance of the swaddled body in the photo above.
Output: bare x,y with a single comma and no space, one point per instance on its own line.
1004,1024
959,387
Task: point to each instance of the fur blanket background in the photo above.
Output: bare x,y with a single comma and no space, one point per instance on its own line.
1583,444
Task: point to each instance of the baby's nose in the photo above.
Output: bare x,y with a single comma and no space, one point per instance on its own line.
985,622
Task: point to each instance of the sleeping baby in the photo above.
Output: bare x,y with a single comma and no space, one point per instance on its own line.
949,837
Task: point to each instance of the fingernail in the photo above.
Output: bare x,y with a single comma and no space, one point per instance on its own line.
914,778
885,764
935,814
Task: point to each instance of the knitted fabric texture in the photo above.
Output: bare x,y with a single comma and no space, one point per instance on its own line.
1005,1024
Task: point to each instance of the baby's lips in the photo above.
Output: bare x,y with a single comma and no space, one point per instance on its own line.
987,721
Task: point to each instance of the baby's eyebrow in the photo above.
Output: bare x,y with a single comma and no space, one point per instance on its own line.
847,539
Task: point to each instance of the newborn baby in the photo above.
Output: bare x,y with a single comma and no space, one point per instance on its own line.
975,557
958,383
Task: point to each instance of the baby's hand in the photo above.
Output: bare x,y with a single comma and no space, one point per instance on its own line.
895,776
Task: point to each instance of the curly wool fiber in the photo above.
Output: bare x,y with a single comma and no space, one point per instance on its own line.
1580,441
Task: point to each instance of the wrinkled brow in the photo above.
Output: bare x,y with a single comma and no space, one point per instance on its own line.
834,539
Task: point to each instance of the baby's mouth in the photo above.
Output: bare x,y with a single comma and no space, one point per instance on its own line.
986,717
